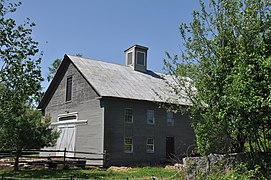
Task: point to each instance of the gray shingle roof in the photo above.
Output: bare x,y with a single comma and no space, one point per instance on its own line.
114,80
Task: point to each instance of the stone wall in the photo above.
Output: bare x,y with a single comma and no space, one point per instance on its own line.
196,167
201,166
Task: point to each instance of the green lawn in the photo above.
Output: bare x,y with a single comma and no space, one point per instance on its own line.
94,173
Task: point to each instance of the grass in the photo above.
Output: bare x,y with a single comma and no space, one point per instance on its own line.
94,173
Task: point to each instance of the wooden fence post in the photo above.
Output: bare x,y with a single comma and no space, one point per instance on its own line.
64,161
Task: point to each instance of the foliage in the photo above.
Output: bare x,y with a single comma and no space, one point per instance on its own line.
94,173
54,67
240,172
227,64
255,147
28,131
20,88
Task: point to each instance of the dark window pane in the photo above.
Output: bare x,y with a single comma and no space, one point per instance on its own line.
140,58
69,89
67,118
128,145
130,58
128,115
170,119
150,116
150,145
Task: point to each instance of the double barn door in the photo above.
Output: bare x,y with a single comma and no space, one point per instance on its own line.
66,139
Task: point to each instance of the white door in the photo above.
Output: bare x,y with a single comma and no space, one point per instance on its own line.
66,140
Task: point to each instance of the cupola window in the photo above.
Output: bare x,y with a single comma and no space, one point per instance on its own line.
141,58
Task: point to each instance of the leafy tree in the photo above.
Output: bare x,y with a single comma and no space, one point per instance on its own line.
28,131
54,67
226,60
20,76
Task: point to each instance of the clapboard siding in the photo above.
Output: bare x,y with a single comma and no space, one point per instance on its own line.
85,101
100,93
116,129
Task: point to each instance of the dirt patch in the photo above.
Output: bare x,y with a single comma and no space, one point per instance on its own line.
175,166
121,168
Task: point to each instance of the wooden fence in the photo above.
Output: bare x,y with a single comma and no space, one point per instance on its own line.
52,160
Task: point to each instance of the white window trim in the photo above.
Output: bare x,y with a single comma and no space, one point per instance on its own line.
67,115
173,121
132,146
128,122
75,121
153,116
144,58
150,151
132,57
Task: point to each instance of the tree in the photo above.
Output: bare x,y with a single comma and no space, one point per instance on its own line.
226,60
20,125
28,131
54,67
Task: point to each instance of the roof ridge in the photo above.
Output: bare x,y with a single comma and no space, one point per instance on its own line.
102,61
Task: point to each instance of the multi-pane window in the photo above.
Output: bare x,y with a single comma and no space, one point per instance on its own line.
170,119
150,145
150,116
140,58
69,89
128,145
128,115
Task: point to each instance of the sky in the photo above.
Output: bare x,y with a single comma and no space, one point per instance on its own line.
103,29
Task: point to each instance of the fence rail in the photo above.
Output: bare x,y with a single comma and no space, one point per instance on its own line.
52,159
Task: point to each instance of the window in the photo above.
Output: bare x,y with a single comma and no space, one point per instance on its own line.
69,89
170,119
150,116
150,145
128,115
67,118
130,58
140,58
128,145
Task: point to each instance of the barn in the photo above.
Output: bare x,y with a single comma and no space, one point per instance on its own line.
105,107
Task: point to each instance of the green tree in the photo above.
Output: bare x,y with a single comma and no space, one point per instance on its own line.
20,125
227,65
54,67
28,131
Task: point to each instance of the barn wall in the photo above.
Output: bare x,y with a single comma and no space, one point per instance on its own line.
85,101
116,129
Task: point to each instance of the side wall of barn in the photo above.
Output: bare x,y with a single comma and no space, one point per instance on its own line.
116,129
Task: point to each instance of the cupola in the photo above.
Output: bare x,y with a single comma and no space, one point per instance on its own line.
136,58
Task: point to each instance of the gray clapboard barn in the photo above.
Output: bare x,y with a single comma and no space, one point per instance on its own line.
105,107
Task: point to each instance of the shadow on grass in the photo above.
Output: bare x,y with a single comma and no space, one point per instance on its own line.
95,173
57,173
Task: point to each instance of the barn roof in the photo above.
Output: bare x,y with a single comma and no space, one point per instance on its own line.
114,80
120,81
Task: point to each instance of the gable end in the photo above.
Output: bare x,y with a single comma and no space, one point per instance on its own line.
57,79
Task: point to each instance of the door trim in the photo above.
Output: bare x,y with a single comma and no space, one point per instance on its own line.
69,122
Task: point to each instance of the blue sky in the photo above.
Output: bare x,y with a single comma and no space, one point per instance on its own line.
103,29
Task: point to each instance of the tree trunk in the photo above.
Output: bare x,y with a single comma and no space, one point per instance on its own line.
17,156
